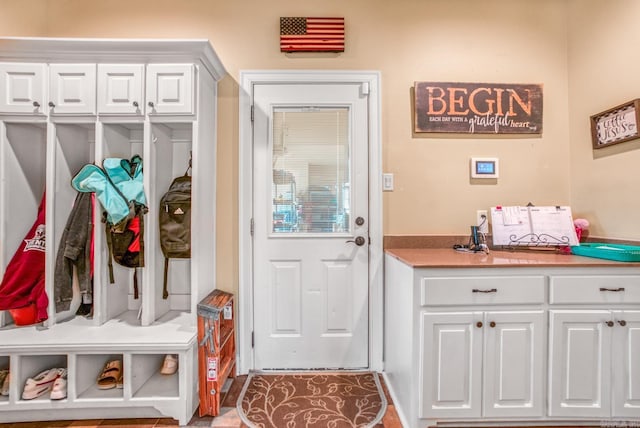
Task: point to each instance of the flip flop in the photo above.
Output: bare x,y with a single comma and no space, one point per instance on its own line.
111,372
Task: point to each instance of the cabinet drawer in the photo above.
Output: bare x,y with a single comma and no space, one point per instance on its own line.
482,290
595,289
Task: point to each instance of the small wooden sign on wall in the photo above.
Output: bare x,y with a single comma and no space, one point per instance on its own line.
616,125
478,108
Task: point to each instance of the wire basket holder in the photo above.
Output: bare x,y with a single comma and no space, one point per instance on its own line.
539,240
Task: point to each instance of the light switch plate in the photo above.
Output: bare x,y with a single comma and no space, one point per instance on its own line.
387,182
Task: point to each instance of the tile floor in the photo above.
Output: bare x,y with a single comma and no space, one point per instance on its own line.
228,417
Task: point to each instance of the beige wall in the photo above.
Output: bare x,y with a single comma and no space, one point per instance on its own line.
604,71
503,41
28,18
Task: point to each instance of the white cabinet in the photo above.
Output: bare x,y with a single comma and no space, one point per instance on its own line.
87,89
22,88
594,332
170,89
121,89
512,345
594,371
580,363
72,89
625,364
98,90
513,383
482,364
451,371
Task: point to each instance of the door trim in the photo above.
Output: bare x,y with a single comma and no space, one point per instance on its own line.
249,78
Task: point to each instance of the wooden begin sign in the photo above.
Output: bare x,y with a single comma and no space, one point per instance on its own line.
478,108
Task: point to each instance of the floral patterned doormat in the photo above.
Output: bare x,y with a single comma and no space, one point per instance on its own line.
312,400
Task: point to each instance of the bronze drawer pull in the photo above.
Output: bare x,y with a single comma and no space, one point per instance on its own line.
479,324
612,289
492,290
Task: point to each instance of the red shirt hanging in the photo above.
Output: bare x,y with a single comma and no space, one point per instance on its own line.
24,279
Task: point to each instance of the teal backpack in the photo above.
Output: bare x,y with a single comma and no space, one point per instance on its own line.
118,185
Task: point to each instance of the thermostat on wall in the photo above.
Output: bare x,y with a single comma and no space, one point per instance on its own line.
484,167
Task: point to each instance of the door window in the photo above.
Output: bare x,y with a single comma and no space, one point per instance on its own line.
311,174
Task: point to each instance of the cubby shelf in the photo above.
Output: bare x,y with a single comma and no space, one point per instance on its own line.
154,98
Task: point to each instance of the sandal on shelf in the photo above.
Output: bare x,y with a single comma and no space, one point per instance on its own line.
110,375
41,384
4,387
119,383
3,375
59,389
170,364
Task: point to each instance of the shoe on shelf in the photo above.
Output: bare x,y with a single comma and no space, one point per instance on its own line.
170,364
4,375
111,374
41,384
119,382
4,386
59,388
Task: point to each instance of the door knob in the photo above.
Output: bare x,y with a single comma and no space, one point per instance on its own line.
359,241
610,323
52,104
150,104
622,323
359,221
36,104
135,104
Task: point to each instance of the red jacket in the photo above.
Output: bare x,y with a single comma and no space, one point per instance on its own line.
23,281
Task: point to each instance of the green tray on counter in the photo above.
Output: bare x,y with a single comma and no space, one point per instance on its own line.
601,250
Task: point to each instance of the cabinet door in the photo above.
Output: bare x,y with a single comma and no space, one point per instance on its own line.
451,356
72,88
513,364
580,350
22,88
121,89
170,89
625,361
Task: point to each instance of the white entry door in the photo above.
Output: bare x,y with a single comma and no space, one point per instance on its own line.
310,260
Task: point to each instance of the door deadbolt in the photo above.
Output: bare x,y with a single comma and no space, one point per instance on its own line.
359,241
359,221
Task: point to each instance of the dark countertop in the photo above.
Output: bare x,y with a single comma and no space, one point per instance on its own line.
449,258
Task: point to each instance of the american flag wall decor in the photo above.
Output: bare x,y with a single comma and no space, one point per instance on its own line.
311,34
